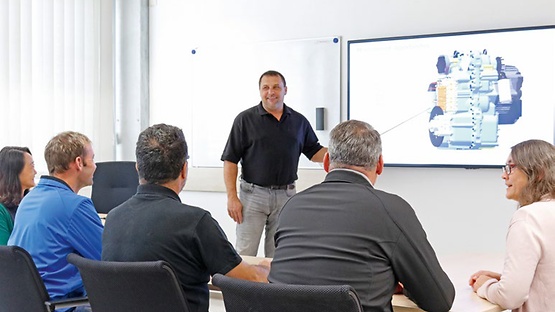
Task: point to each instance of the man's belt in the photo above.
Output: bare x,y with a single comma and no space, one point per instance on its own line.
281,187
277,187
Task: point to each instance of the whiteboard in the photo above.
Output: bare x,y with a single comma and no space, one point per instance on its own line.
225,82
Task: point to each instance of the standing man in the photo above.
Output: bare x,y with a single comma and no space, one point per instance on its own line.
52,221
155,225
268,140
344,231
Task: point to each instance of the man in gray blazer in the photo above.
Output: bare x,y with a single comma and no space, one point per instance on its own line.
344,231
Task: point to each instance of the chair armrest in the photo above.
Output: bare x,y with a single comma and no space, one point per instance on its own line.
52,305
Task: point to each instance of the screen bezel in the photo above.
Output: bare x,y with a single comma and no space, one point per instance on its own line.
414,39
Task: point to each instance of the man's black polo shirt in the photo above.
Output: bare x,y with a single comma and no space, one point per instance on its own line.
154,225
269,149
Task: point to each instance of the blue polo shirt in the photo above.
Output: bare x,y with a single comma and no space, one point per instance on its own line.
51,222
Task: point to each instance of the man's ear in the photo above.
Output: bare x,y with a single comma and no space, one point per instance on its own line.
326,162
379,166
78,161
184,170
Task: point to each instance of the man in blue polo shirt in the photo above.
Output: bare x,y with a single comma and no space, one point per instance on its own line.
53,221
268,140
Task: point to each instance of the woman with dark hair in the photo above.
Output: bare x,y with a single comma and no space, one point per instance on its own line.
528,277
17,174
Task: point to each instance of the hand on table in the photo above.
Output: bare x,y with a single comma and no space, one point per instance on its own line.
479,278
266,263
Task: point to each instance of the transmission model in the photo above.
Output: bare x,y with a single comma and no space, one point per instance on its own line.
471,97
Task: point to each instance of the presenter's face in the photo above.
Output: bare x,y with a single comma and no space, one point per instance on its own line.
272,93
515,181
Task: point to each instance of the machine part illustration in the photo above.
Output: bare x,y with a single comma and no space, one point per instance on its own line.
472,96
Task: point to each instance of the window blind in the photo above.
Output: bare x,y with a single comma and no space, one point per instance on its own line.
49,71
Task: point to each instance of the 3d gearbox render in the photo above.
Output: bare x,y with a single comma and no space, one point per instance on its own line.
472,96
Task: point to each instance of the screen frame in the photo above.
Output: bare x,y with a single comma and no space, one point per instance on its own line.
352,43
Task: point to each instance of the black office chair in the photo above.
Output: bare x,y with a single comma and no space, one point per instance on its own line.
148,286
240,295
114,183
22,288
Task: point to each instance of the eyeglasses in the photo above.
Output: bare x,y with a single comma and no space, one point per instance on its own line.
508,168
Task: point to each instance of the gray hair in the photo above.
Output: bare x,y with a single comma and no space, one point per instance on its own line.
536,158
354,143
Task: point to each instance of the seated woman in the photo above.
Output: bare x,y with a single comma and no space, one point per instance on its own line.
17,174
528,277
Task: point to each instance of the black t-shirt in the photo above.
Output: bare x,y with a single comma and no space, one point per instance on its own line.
155,225
269,149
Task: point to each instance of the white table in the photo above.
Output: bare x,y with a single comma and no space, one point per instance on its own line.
458,267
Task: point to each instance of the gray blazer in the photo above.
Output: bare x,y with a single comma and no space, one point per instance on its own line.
343,231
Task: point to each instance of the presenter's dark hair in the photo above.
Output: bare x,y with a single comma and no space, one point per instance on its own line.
12,162
272,73
161,152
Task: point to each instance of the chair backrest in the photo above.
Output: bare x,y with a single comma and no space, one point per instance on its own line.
21,287
240,295
130,286
114,183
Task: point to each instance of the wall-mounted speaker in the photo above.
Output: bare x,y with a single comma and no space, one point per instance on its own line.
320,118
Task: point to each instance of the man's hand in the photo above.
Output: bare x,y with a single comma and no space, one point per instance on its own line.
399,288
266,263
235,209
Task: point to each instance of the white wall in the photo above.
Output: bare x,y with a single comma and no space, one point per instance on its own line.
461,210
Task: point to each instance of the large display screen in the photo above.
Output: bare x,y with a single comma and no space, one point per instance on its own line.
455,99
